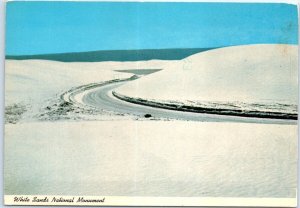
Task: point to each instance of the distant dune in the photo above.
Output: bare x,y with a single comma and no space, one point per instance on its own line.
251,73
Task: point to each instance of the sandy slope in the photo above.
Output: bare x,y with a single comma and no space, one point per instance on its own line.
134,158
251,73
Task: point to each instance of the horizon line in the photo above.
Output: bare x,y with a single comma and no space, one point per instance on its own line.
144,49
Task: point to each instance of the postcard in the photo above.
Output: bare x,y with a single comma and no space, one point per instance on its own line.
151,103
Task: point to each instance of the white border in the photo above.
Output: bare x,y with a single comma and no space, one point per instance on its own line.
2,75
138,201
155,201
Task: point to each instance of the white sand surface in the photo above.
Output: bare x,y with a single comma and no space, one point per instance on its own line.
250,73
156,158
138,159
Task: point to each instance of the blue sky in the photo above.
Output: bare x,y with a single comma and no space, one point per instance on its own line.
56,27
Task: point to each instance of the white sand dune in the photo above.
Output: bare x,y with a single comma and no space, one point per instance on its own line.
36,80
251,73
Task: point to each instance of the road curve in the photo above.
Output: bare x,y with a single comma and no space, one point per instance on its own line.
100,96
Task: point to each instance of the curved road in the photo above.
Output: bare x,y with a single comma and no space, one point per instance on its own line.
100,96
